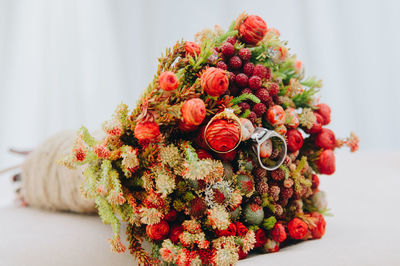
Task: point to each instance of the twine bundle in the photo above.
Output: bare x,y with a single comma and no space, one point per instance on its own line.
47,185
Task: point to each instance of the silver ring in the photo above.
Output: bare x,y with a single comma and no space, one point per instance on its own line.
261,135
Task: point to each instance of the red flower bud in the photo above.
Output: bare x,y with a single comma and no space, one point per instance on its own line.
279,233
158,231
193,112
241,230
230,231
175,232
325,111
319,230
146,131
170,216
253,29
192,48
261,238
168,81
214,81
326,162
297,228
294,140
241,254
186,127
326,139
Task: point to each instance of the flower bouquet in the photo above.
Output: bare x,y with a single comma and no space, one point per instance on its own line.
220,156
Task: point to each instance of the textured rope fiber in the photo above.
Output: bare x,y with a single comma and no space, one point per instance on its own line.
47,185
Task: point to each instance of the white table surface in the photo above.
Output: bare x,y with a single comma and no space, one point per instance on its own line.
365,228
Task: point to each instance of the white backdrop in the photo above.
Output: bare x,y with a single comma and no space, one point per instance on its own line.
64,63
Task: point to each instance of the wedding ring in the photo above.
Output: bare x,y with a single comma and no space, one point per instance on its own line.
261,135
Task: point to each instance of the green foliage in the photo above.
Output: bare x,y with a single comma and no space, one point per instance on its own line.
269,223
86,137
244,97
304,99
107,215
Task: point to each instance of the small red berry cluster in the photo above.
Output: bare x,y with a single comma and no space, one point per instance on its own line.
245,77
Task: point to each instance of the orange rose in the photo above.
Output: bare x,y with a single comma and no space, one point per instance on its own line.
168,81
253,29
192,48
158,231
222,135
193,112
276,115
146,131
214,81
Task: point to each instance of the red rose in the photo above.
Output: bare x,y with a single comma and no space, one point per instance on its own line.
241,230
317,126
202,154
170,216
294,140
158,231
146,131
315,181
297,228
326,162
222,135
193,112
175,232
192,48
253,29
261,238
230,231
276,115
241,254
319,230
214,81
279,233
326,139
168,81
325,111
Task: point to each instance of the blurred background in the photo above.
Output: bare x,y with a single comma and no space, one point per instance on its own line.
67,63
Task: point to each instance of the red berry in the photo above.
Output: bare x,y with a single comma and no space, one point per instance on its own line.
244,54
232,77
248,68
260,70
244,106
227,49
273,89
235,62
242,80
247,90
252,117
263,95
222,65
259,109
231,40
255,82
